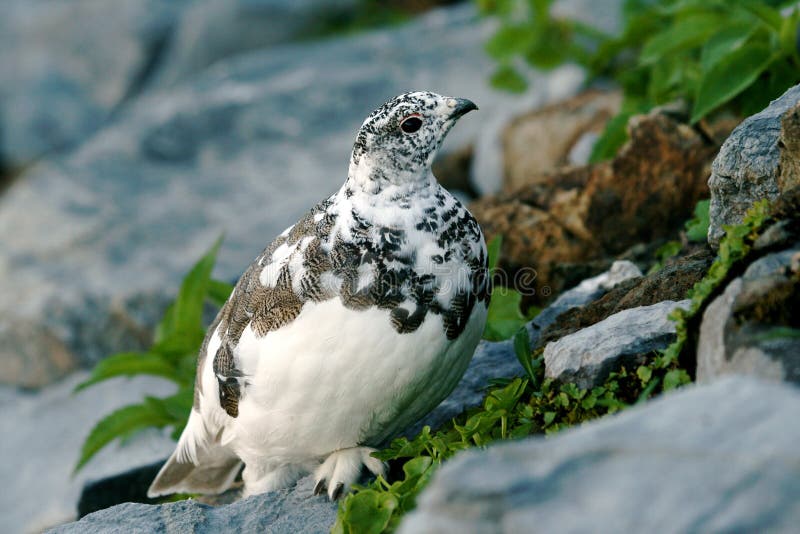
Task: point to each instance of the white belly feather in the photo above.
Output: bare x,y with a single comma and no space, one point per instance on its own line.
336,378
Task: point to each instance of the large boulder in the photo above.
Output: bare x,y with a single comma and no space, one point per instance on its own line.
715,458
211,30
68,65
290,510
627,338
42,437
760,159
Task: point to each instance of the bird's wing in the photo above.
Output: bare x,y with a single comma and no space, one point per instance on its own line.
264,299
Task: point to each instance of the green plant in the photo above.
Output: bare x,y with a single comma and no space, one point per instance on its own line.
511,409
505,315
173,356
733,248
697,226
713,54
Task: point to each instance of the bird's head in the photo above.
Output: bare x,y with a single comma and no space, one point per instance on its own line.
398,141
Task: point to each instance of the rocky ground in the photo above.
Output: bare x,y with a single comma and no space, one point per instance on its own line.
152,146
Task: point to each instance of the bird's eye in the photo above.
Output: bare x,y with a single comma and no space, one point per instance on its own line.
411,124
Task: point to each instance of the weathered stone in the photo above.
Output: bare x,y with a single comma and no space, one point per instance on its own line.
715,458
753,327
244,149
541,141
290,510
42,437
68,65
211,30
760,159
671,282
626,338
582,214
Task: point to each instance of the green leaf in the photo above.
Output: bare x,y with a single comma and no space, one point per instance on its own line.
522,349
504,317
130,364
729,77
493,248
417,467
675,378
644,373
684,35
763,13
368,511
506,77
185,316
120,423
697,227
509,40
549,417
722,43
219,292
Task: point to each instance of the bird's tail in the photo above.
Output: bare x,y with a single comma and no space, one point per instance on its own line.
197,465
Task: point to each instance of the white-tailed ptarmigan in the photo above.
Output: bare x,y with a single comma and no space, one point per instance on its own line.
353,324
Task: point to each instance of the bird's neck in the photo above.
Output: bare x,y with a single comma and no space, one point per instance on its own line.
380,180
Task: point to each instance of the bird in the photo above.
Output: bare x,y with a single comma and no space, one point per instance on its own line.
353,324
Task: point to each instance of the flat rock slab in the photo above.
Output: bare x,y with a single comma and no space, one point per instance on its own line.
294,510
42,434
712,458
587,356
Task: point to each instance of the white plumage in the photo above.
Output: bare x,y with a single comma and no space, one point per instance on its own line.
353,324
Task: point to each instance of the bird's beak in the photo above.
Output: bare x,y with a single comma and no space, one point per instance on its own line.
461,106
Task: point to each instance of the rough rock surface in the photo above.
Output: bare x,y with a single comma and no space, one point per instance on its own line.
760,159
70,66
556,135
293,510
672,282
42,434
721,457
211,30
753,327
580,214
95,243
626,338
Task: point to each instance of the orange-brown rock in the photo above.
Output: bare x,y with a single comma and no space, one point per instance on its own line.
580,214
540,141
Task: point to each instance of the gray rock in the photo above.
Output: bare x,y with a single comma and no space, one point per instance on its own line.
42,436
585,292
748,328
211,30
715,458
293,510
68,65
587,356
751,164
